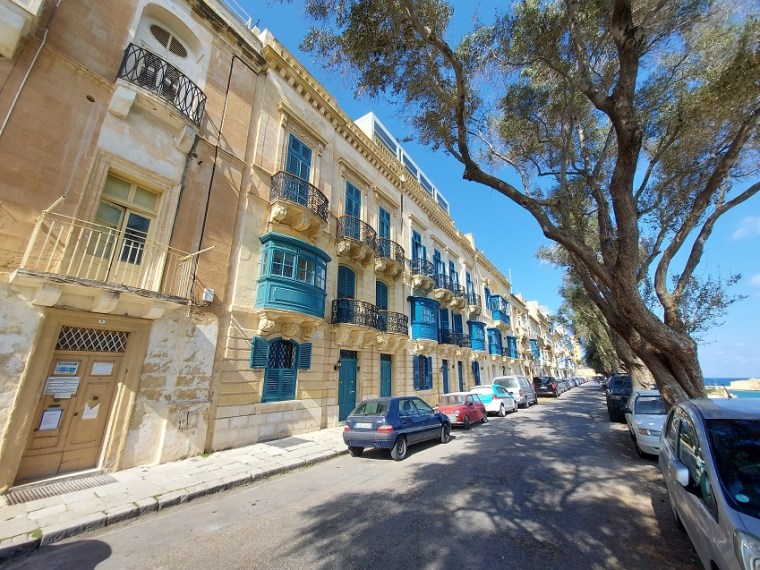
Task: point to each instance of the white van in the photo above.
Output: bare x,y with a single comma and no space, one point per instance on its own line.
521,389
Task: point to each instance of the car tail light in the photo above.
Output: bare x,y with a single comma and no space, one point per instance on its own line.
385,429
347,428
519,393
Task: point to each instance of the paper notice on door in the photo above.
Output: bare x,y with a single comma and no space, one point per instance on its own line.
90,413
50,419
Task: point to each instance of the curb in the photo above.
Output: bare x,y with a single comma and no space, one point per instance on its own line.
136,509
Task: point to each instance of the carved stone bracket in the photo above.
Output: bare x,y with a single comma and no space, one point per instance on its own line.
422,346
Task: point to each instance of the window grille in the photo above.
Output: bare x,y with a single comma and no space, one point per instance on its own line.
165,38
91,340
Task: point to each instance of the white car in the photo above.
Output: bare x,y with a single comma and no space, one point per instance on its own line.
495,398
645,414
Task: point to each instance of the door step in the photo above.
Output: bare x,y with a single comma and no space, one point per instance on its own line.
53,488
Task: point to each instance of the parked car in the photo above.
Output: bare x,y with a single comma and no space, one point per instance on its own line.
521,389
710,460
393,423
620,389
495,398
462,409
645,414
545,386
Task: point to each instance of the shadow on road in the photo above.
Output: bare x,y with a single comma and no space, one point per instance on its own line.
79,555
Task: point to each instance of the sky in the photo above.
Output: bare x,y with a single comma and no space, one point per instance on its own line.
510,237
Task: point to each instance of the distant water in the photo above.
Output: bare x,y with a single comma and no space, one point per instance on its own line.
735,393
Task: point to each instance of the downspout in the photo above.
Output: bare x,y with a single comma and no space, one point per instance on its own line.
29,70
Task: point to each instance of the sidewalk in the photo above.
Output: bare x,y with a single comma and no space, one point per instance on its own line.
142,490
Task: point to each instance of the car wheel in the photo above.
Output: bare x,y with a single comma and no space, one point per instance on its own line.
399,449
485,419
638,449
466,422
633,437
445,433
502,411
355,451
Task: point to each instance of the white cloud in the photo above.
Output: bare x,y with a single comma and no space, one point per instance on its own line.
748,227
755,280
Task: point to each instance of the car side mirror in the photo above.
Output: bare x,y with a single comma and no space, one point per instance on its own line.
680,472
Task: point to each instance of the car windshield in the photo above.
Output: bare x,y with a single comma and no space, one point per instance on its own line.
371,408
620,383
736,447
452,400
650,405
511,382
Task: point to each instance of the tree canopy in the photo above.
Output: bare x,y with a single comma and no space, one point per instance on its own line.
632,126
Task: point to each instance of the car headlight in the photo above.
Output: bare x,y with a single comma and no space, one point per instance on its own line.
747,549
651,432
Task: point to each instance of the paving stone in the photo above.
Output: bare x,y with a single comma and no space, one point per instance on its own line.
47,511
121,513
59,531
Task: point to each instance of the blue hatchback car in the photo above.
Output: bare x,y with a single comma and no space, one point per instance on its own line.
395,424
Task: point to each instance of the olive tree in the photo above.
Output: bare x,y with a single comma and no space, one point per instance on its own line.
631,125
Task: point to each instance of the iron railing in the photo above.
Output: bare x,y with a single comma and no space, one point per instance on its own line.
473,299
389,249
66,246
146,69
355,312
289,187
509,352
442,281
351,227
388,321
460,291
446,336
421,266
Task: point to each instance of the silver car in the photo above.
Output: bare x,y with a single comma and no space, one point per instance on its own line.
710,459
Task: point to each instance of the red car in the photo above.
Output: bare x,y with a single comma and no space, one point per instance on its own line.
462,409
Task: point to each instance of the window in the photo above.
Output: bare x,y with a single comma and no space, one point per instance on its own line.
453,274
281,360
423,367
168,40
346,283
299,159
124,217
290,261
418,250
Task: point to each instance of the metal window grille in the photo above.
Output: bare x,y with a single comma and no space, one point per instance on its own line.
91,340
282,354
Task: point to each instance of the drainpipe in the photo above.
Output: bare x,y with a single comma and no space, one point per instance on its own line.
29,70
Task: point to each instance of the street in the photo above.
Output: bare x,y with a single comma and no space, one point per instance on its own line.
555,486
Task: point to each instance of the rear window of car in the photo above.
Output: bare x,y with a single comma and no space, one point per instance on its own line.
371,408
452,400
621,383
511,382
650,405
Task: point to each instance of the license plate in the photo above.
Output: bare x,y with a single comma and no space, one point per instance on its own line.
363,425
452,417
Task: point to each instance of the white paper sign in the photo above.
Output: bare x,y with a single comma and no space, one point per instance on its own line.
61,386
50,419
90,413
102,368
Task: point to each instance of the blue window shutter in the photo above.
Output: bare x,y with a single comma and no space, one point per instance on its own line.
416,362
304,356
346,283
288,384
272,382
381,295
429,373
259,352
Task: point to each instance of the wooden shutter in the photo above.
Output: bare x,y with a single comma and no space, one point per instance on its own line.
416,366
346,283
429,372
304,355
259,352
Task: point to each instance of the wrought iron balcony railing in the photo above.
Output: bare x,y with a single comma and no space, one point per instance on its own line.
473,299
442,281
447,336
355,312
509,352
391,322
388,249
460,291
289,187
421,266
145,69
350,227
69,247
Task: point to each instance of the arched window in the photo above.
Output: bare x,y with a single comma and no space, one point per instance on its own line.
168,40
423,372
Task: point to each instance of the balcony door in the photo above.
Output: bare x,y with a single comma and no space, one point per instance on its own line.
384,232
347,383
353,211
119,249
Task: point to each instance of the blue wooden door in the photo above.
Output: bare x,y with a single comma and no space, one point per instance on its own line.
352,209
386,371
346,383
445,370
460,372
299,159
476,372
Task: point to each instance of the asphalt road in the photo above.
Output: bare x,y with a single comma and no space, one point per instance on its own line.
555,486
